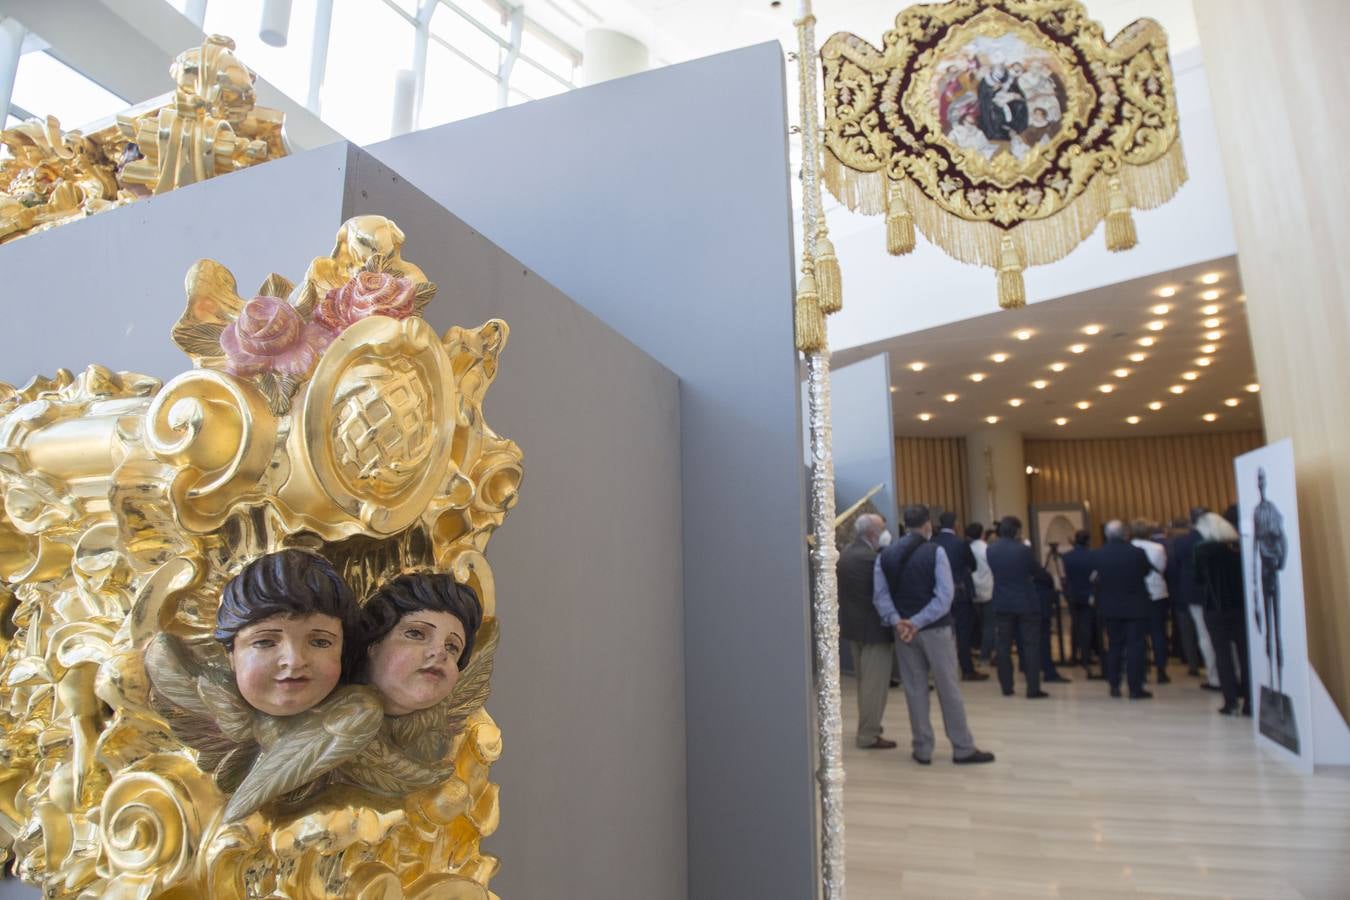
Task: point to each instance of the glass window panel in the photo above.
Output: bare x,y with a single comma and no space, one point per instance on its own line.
466,37
533,81
454,89
286,68
544,52
369,44
408,6
45,86
487,12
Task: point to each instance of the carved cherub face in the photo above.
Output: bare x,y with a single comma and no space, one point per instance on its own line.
285,664
416,665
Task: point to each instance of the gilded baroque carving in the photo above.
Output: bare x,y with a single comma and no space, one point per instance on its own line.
325,417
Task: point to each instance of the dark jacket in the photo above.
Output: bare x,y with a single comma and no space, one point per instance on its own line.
1218,576
1180,571
1078,575
962,560
1014,566
913,584
1044,583
1121,591
858,619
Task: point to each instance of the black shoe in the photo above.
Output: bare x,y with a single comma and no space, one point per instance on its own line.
1247,710
895,682
1115,692
1039,695
974,676
974,759
1163,679
1206,686
1228,710
1140,695
1057,679
1007,693
920,760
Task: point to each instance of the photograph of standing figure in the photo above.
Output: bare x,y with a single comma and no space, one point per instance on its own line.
1270,549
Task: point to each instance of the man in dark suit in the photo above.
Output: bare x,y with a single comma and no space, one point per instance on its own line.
1016,606
1123,603
1078,586
962,561
870,641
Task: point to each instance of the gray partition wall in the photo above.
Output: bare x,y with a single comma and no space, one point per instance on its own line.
589,684
661,203
864,435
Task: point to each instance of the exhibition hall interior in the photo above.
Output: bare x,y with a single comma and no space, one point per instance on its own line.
699,449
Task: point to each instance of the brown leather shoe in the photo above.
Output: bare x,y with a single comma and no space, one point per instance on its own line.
880,744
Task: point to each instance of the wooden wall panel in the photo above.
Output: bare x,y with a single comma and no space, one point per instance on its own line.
1156,478
931,471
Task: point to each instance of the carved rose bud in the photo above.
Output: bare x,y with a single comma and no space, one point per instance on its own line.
271,335
367,294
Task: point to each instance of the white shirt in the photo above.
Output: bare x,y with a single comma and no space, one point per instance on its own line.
1157,557
983,575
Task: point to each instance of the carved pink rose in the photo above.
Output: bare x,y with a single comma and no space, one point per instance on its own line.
270,335
367,294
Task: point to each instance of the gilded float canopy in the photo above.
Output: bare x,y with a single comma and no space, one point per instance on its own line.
1005,130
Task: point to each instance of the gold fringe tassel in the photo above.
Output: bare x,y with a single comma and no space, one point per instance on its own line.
900,237
829,280
1012,290
810,321
1120,233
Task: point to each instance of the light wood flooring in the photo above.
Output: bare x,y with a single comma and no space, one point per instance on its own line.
1091,797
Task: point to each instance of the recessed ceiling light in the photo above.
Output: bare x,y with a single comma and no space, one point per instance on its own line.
894,389
1016,401
1121,373
977,377
1092,329
992,420
1168,291
1155,405
1213,335
918,366
1156,325
1082,404
1253,388
1061,421
1106,388
1177,389
1138,357
1231,401
1210,310
1078,348
950,398
1211,295
1209,348
1133,420
1210,278
999,357
1212,323
1209,417
1203,361
1058,367
1146,341
924,417
1161,309
1023,335
1242,298
1190,376
1040,384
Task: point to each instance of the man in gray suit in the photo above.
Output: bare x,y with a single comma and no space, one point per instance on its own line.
871,643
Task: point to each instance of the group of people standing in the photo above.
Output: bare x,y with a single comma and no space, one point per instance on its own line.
939,601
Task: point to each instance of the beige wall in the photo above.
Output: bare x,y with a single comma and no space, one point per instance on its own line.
1278,73
1155,478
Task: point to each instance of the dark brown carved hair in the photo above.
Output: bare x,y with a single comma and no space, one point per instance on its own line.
413,592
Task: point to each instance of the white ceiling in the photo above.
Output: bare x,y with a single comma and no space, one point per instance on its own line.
952,352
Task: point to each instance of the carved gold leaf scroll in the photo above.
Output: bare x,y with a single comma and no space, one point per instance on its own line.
1005,130
128,505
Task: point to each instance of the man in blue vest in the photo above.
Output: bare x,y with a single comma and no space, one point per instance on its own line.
1124,604
912,584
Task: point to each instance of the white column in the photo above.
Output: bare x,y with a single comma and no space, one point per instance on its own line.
996,475
610,54
318,60
276,22
11,48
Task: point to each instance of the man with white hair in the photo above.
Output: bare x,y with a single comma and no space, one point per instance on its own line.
1123,602
870,641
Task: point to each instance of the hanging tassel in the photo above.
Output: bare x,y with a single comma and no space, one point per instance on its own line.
899,223
810,320
828,278
1120,234
1012,291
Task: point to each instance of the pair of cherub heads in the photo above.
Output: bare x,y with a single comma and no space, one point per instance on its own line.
293,630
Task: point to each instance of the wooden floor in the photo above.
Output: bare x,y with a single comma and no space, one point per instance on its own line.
1091,797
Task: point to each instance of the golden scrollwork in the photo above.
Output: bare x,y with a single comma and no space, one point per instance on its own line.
209,126
324,416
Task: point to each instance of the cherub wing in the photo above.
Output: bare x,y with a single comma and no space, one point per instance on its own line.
308,746
384,767
427,734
